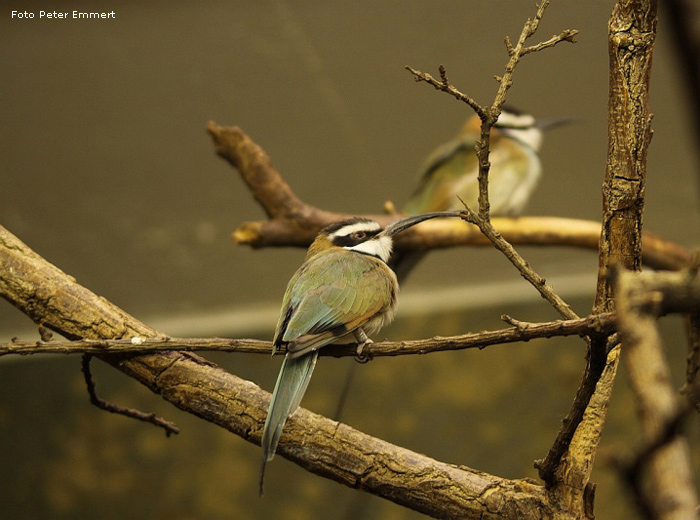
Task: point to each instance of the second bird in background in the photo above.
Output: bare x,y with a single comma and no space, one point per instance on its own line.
451,172
450,175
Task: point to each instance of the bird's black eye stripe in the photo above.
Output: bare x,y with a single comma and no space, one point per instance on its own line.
354,238
514,126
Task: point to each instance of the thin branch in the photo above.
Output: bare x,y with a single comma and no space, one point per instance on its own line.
521,331
132,413
443,85
521,264
505,81
489,115
567,35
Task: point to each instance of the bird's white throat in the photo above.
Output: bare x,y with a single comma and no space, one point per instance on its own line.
379,247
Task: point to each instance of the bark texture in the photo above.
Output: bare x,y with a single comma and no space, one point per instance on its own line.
325,447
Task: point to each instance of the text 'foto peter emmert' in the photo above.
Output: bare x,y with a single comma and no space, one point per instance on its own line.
64,14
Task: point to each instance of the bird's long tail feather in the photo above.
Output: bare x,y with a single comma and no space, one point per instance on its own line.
291,384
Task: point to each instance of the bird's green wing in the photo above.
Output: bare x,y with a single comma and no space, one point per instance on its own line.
451,164
332,298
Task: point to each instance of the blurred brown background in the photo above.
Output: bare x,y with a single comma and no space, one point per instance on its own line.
107,172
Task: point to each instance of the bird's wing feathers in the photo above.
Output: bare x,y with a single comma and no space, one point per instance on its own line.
333,300
442,172
445,152
452,170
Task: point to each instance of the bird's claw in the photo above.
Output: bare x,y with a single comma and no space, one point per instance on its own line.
360,357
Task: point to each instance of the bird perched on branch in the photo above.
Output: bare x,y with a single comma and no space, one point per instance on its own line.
451,171
343,292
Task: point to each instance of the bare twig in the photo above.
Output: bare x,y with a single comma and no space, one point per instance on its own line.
567,35
489,116
444,86
539,283
151,418
521,331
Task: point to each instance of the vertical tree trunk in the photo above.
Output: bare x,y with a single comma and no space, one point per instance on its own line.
631,34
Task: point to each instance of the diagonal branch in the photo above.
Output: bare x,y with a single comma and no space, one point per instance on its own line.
567,35
539,283
444,85
320,445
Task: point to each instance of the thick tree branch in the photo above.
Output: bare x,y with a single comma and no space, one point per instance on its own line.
633,470
521,331
322,446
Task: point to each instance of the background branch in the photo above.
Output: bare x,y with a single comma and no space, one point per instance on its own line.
633,470
300,229
640,300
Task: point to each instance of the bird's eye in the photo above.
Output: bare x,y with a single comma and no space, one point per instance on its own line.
359,235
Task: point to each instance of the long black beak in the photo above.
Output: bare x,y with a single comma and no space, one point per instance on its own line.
548,124
398,226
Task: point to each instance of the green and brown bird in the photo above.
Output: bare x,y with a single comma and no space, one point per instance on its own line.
342,293
451,171
450,174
